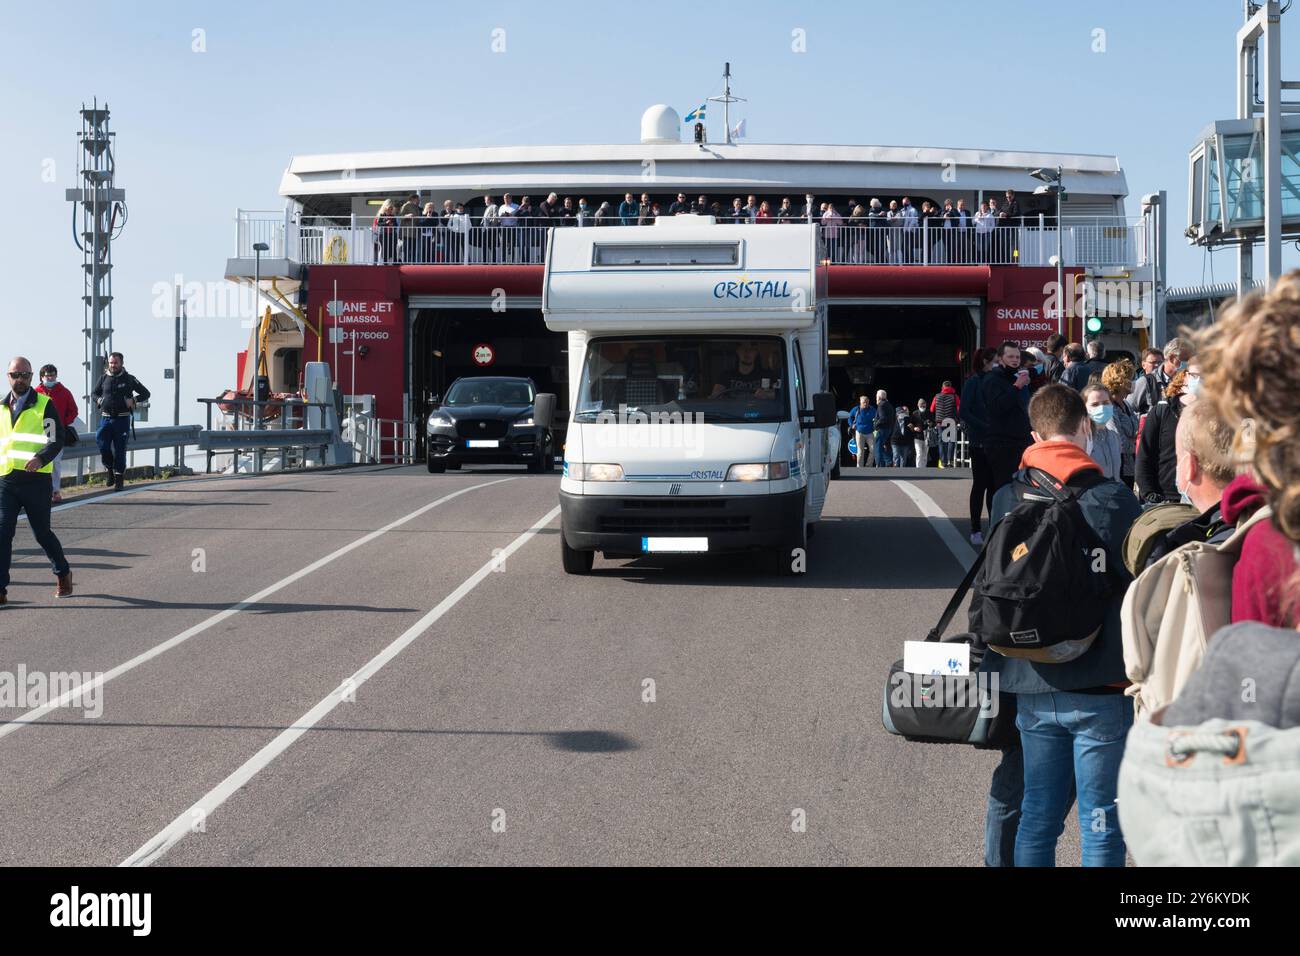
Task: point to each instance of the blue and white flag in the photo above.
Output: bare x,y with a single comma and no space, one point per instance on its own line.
738,131
696,114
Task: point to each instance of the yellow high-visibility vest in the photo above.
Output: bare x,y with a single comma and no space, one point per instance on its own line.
21,440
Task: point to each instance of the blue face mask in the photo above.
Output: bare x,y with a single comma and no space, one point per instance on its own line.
1193,385
1101,414
1038,368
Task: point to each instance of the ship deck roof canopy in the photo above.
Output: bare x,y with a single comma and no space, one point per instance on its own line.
325,184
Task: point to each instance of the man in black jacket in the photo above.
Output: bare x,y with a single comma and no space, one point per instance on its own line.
25,482
1004,398
116,394
1083,364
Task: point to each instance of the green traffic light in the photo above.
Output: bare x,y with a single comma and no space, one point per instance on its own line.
1093,325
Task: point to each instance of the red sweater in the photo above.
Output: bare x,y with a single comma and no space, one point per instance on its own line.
1260,580
63,401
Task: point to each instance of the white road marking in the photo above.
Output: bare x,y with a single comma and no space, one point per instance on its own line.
36,714
940,522
174,832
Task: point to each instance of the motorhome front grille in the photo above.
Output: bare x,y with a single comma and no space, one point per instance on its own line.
480,428
674,524
677,516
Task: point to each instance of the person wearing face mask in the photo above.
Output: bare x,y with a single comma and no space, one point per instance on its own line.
1036,362
66,405
31,436
1203,470
1103,442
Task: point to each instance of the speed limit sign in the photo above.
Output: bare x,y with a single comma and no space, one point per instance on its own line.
483,354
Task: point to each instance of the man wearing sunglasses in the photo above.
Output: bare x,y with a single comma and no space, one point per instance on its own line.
31,435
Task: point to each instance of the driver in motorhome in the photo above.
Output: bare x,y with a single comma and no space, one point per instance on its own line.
749,379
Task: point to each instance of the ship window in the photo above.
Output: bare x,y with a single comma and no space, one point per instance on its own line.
666,254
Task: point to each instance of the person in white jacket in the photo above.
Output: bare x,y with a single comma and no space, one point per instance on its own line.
984,223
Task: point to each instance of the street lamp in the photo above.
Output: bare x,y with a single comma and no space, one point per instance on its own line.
258,249
1052,180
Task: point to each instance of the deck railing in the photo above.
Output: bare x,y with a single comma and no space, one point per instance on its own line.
1092,241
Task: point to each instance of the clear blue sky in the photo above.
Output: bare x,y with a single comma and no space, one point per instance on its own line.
201,134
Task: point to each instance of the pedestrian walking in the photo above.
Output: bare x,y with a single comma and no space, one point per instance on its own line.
944,410
31,437
863,422
975,422
116,394
884,430
66,405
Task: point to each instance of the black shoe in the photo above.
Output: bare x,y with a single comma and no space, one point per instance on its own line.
4,597
119,481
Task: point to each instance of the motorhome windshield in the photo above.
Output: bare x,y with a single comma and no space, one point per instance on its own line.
721,379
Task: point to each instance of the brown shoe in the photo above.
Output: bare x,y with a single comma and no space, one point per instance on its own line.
64,587
4,597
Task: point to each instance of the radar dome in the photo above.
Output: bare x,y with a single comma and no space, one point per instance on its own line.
661,124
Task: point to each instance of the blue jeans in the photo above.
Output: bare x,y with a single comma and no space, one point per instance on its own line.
1071,740
947,451
1002,817
884,450
900,456
111,439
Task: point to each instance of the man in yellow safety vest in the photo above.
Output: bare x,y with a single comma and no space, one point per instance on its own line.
31,434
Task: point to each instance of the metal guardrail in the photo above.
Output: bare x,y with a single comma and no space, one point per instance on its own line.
144,439
243,436
1096,241
370,437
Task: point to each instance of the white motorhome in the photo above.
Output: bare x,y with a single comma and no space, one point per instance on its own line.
700,413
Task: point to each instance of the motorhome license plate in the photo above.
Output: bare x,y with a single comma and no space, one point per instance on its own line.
483,443
678,545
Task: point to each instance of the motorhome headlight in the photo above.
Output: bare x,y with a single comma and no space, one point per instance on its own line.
580,471
759,471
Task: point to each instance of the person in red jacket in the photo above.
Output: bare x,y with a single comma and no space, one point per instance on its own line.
66,405
1267,562
946,410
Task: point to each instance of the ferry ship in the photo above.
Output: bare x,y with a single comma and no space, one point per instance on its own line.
400,303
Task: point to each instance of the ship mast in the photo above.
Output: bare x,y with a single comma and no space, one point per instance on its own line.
726,99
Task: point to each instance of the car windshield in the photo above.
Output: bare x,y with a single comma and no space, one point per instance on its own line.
722,379
487,392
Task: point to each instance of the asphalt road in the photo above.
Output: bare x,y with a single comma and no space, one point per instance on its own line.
382,666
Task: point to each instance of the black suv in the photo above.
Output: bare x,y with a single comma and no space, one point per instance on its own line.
489,419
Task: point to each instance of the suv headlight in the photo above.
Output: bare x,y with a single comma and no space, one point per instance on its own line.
759,471
439,420
580,471
525,422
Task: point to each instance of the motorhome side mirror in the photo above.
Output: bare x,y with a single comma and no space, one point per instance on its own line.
823,411
544,409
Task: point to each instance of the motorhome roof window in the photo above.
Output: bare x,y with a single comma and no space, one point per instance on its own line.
666,254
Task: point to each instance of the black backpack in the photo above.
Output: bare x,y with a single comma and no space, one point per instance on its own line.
1047,579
